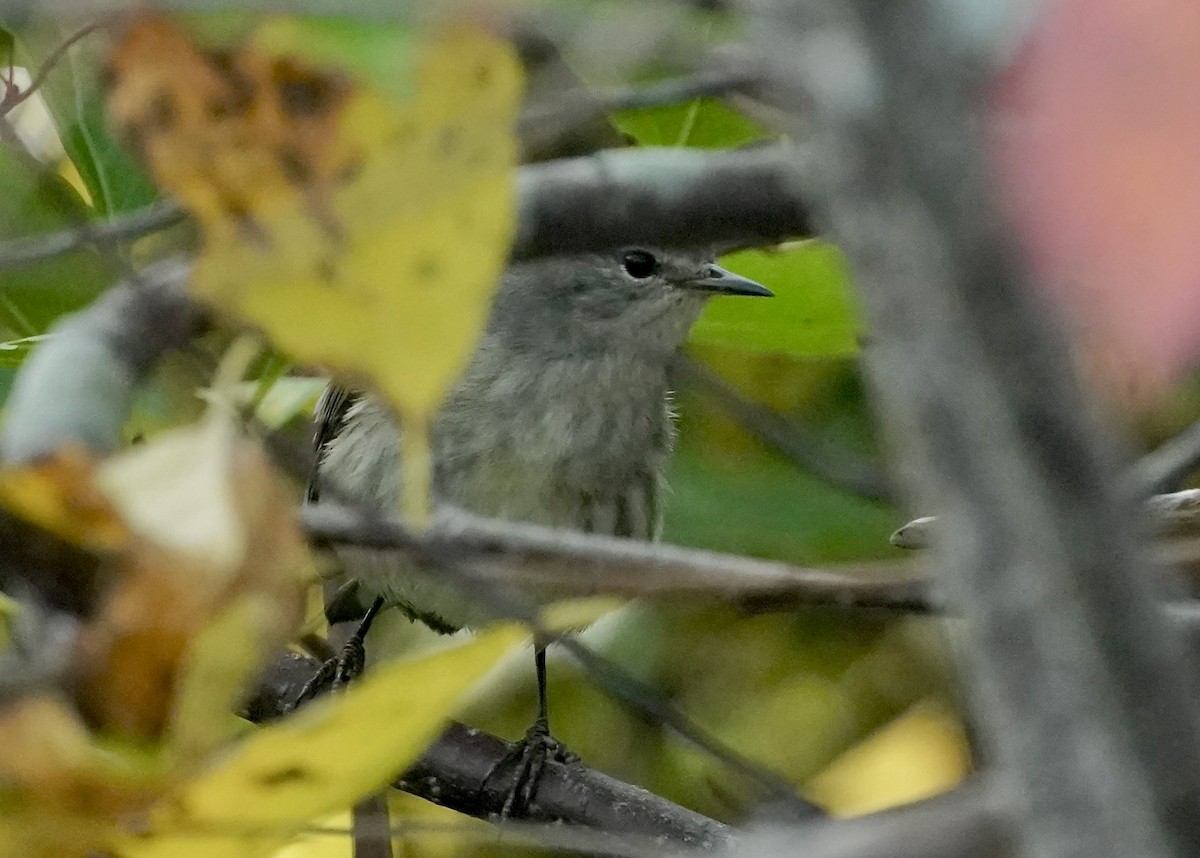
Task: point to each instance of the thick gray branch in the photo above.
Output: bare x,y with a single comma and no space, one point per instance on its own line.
673,197
1083,706
78,386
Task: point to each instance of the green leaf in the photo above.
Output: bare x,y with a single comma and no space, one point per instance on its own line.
753,504
813,312
7,46
702,123
279,401
730,492
37,200
72,93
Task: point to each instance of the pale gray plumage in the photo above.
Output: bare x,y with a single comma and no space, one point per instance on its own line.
562,417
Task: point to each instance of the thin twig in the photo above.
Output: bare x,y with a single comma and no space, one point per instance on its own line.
806,449
544,123
1163,469
1171,515
568,563
12,98
121,228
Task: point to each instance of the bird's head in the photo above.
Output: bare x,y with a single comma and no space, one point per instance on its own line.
636,297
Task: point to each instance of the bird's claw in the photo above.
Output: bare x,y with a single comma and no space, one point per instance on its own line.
528,759
335,673
338,672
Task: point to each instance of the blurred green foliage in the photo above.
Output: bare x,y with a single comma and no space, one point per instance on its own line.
702,122
36,200
72,95
813,311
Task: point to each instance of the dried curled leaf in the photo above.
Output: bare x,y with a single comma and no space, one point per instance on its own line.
180,570
359,232
62,537
59,496
221,536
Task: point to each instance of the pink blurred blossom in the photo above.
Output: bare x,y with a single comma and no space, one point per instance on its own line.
1096,133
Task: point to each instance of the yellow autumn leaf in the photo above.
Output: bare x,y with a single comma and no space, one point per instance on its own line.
62,791
323,758
358,231
331,839
571,614
921,754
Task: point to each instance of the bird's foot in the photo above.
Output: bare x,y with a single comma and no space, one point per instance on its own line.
338,672
527,760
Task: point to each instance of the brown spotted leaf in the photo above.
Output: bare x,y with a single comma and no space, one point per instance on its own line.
359,231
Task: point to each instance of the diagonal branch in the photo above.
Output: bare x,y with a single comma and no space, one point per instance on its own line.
544,123
970,821
12,98
122,228
1163,469
567,563
807,449
456,772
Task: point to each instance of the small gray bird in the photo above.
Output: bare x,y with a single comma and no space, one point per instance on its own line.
562,417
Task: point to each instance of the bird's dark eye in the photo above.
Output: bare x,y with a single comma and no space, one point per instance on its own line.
639,263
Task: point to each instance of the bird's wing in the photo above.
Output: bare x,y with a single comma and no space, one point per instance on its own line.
329,419
633,512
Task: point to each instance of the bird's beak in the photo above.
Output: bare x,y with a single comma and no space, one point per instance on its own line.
721,281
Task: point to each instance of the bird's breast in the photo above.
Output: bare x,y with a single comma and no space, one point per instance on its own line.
575,443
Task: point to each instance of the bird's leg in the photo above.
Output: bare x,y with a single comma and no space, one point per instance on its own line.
336,673
539,733
528,757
